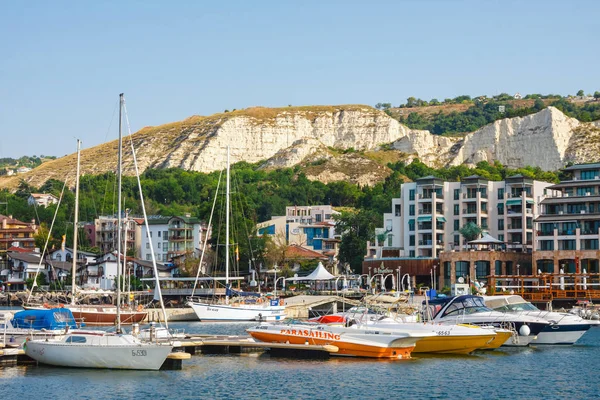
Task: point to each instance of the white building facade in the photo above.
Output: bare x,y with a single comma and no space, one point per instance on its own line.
171,237
429,213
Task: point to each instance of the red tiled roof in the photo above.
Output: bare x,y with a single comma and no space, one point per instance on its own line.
295,251
19,249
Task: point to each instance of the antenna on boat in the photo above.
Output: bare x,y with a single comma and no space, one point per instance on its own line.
119,167
75,223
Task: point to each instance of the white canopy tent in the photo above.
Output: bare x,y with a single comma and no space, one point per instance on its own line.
486,238
319,274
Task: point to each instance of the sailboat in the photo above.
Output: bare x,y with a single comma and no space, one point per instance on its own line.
100,349
93,315
260,310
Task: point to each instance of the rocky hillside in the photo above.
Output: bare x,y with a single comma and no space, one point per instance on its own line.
316,137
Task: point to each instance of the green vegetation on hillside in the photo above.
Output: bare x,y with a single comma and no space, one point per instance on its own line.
464,114
263,194
24,161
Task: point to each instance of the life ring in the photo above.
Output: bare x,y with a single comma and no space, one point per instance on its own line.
140,308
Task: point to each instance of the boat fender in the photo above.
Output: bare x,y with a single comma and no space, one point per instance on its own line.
524,330
281,302
61,306
140,307
259,301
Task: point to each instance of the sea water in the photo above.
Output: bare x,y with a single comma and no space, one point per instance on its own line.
552,372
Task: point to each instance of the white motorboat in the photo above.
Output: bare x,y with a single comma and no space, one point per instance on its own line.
357,340
469,309
563,328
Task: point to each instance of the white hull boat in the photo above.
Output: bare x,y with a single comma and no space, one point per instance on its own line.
563,328
238,312
97,349
468,309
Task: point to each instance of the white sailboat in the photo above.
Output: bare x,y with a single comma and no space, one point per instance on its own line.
242,310
100,349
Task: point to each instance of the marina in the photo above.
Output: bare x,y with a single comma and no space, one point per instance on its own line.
506,372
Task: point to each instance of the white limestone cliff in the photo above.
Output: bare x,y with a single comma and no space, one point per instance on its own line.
288,136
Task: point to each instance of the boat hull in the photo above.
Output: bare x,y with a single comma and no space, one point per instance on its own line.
99,353
355,344
226,312
453,344
562,334
103,316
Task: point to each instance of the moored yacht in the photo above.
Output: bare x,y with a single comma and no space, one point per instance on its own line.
469,309
563,328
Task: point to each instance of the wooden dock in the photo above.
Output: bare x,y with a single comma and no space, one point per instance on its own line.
244,344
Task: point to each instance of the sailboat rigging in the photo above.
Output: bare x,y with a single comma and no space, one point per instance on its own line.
100,349
240,310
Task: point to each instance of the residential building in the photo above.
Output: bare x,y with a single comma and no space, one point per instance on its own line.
311,227
42,199
568,228
15,233
20,267
171,237
105,233
425,220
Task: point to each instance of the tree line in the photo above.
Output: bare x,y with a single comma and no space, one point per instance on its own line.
257,196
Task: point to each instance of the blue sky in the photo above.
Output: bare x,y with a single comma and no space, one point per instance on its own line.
64,63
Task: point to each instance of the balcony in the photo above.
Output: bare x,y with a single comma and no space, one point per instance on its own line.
469,211
178,238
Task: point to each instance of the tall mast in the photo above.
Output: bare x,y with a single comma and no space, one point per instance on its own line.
227,233
119,164
75,223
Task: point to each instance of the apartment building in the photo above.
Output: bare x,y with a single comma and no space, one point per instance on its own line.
171,237
311,227
105,233
426,218
568,227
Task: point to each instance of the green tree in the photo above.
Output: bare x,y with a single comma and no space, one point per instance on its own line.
470,231
356,228
580,93
597,95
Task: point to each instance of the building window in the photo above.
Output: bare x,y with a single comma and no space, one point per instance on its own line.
546,245
501,237
411,253
411,194
592,174
411,225
150,233
159,242
500,224
500,208
411,209
390,240
148,257
165,234
500,193
456,225
411,240
397,211
165,246
457,209
456,194
484,224
457,240
147,245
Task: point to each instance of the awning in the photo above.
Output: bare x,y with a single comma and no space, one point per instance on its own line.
424,218
513,202
529,201
440,219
